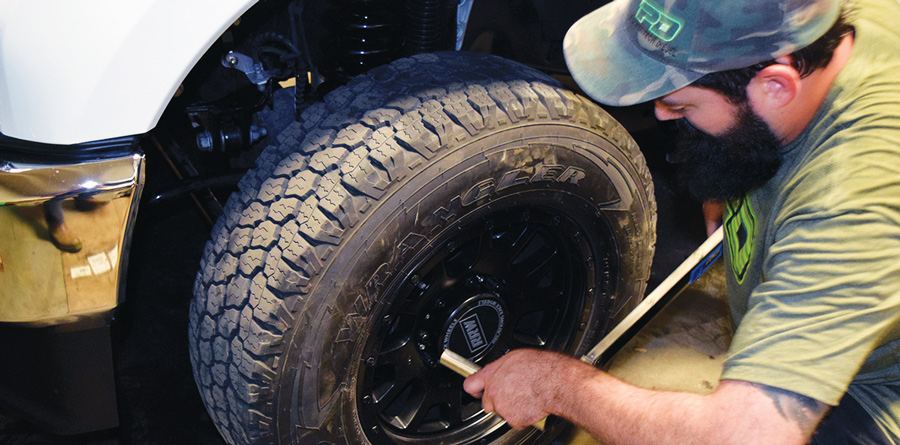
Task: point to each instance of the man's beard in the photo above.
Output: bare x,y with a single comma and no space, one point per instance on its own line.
722,168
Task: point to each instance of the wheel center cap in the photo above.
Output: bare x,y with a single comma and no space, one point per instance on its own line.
475,326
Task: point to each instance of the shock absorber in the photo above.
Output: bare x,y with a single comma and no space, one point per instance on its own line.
366,34
430,25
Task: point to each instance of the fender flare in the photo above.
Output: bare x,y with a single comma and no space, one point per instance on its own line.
73,72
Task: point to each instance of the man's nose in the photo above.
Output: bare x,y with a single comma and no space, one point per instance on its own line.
663,112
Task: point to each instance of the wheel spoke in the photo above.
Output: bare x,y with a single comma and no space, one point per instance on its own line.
463,259
413,398
539,292
400,333
478,256
534,329
517,251
403,404
533,255
523,269
445,405
399,386
535,289
535,311
431,419
436,410
406,361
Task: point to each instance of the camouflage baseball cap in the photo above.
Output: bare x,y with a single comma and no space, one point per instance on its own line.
633,51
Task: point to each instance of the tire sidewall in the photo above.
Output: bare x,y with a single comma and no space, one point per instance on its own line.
556,160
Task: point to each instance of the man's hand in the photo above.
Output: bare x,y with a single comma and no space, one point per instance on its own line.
526,385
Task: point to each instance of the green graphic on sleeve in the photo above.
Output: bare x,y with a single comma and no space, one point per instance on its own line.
740,234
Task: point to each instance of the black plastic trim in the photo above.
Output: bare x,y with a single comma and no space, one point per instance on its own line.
19,150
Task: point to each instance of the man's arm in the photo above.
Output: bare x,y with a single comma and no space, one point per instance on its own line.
712,215
527,385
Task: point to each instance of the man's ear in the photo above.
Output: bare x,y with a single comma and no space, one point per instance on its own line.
774,87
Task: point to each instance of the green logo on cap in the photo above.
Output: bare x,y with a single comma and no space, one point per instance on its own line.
661,25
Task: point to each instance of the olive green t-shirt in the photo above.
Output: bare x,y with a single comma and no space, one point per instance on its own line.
813,256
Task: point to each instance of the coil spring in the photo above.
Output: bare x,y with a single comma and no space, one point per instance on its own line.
367,34
425,25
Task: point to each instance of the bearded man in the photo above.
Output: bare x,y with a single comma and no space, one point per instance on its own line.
791,115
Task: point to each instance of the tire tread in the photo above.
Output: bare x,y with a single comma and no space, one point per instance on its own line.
315,183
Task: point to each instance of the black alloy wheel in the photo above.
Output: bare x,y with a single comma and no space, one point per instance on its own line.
516,278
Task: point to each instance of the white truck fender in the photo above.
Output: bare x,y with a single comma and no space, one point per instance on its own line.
79,71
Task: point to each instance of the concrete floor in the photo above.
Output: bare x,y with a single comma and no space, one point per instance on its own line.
681,349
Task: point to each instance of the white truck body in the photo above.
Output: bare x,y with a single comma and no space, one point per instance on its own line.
78,71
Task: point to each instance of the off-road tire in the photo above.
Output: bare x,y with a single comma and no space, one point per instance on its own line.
339,246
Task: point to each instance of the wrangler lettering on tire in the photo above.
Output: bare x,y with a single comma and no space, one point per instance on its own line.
451,200
555,173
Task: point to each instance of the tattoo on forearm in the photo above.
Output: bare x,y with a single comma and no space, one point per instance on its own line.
802,410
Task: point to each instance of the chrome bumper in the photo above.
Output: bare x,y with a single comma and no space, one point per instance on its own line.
42,284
